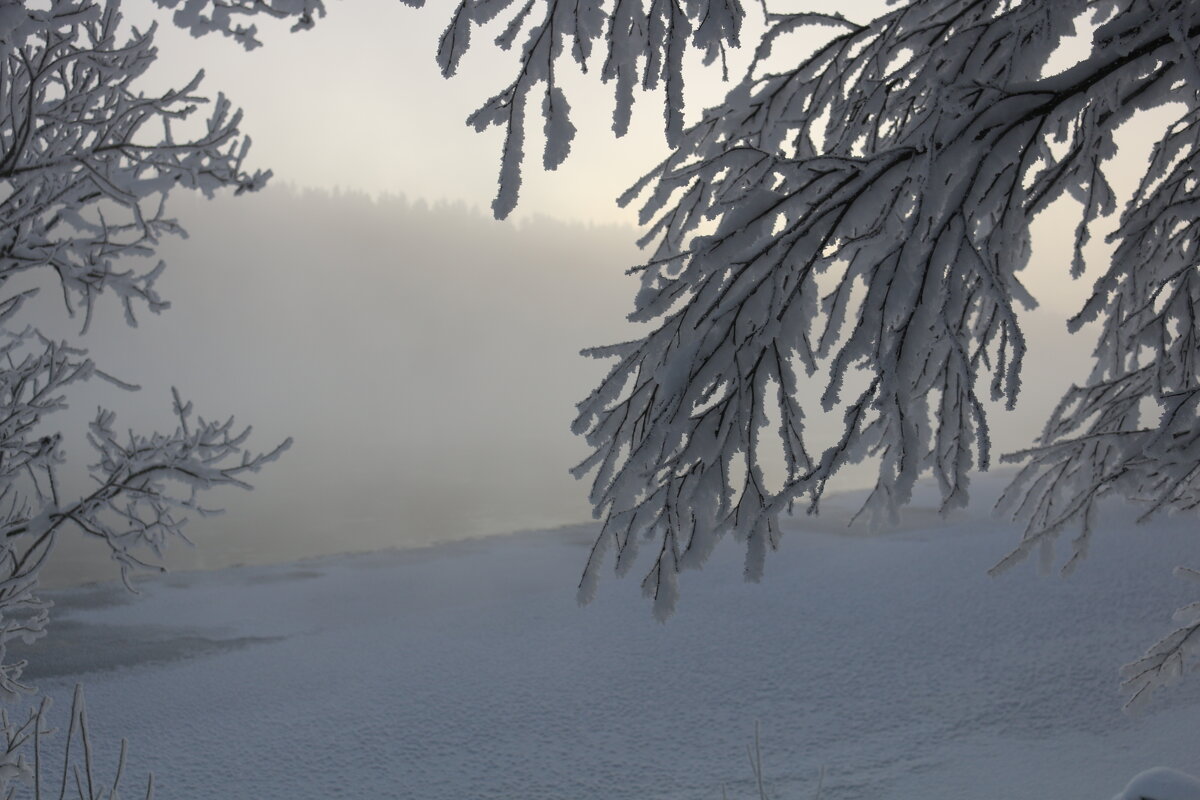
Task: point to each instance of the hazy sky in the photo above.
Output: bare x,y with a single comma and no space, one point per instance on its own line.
358,102
425,361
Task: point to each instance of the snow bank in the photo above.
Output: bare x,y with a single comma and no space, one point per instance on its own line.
1161,783
468,671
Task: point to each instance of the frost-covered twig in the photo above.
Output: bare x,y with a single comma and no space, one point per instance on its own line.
87,161
1166,660
643,43
24,767
868,211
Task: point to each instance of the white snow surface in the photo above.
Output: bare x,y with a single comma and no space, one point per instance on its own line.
468,671
1161,783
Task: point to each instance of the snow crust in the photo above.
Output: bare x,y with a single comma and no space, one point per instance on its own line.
468,671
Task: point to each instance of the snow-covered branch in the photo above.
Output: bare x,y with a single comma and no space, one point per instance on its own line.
868,211
644,42
87,161
1166,660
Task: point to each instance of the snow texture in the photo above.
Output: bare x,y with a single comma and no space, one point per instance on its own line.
467,670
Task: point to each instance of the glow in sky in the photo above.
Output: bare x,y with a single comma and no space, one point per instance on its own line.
358,103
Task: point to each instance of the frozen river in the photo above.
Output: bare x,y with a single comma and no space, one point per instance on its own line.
467,671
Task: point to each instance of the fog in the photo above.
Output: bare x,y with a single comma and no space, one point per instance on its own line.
424,359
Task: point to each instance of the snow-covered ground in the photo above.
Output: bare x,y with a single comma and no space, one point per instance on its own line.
467,671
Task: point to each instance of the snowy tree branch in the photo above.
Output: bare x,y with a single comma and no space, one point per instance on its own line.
869,211
86,164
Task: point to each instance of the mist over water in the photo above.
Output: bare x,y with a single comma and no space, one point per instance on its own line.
425,360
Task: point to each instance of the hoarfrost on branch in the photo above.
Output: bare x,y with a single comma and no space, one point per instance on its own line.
86,163
861,219
858,219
